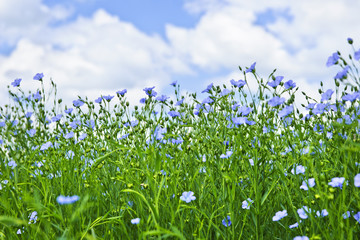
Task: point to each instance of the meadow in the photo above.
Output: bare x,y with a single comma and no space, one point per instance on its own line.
237,164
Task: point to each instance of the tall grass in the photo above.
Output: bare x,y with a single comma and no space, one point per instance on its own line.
236,165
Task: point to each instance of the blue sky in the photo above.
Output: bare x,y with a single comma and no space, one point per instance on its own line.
96,47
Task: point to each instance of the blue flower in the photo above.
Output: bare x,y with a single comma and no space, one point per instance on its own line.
28,114
246,203
357,55
239,120
357,180
143,100
303,212
294,225
187,197
323,213
12,164
98,100
150,92
69,135
135,221
16,82
208,88
252,68
122,92
279,215
207,100
351,97
33,217
227,155
276,82
337,182
299,169
56,118
226,221
357,217
45,146
38,76
108,98
31,132
78,103
289,84
301,238
286,111
162,98
173,83
238,84
326,95
69,110
83,136
276,101
179,102
319,109
332,59
346,215
37,96
174,114
62,200
225,92
309,183
342,74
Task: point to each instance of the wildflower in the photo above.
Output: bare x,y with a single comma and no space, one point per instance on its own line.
276,101
303,212
342,74
238,83
351,97
357,217
207,100
301,238
299,169
252,68
306,184
227,155
244,110
62,200
239,120
323,213
135,221
350,40
74,124
122,92
82,136
159,131
2,124
289,84
45,146
326,95
143,100
28,114
246,203
37,96
12,164
276,82
226,221
251,162
295,225
69,135
310,106
38,76
332,59
174,114
150,92
337,182
225,92
69,110
179,102
162,98
346,215
33,217
357,180
16,82
187,197
173,83
357,55
78,103
108,98
286,111
279,215
208,88
98,100
319,109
